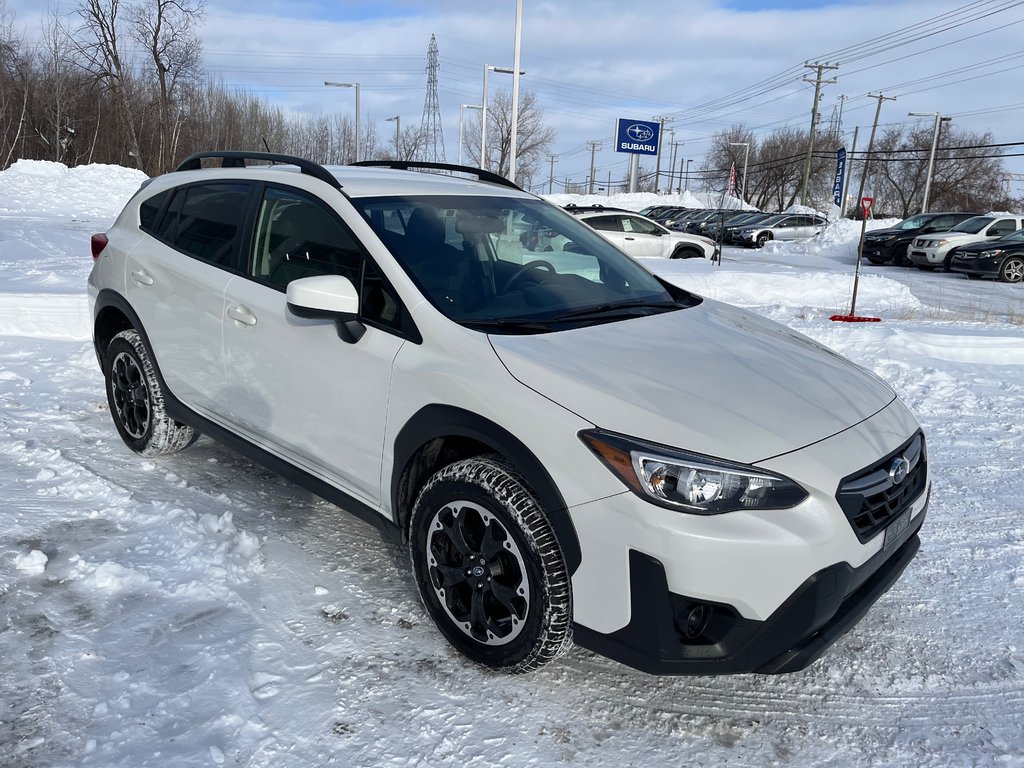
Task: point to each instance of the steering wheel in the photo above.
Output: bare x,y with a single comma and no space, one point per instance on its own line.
536,264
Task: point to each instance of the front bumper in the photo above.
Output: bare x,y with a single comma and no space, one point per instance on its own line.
927,256
878,251
987,266
659,639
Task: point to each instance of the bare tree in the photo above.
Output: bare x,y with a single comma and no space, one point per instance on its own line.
98,43
532,137
166,30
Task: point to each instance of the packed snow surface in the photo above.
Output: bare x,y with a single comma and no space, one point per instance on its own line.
201,611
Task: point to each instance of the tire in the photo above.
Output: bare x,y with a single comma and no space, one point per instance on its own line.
1012,270
763,238
136,400
876,262
925,267
948,260
686,253
488,566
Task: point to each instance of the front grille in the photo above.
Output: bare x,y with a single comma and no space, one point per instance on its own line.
870,500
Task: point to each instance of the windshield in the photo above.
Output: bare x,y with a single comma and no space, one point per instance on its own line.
973,225
772,220
513,265
914,222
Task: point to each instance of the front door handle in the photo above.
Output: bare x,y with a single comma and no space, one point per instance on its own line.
142,277
242,315
631,238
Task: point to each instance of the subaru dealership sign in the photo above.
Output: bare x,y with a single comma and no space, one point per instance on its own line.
637,137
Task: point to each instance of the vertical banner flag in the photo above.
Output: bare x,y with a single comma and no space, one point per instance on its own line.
837,186
732,181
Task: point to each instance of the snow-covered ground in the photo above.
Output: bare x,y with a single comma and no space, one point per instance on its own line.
200,610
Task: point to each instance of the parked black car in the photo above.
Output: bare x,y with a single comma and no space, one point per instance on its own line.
700,226
1001,259
748,219
889,246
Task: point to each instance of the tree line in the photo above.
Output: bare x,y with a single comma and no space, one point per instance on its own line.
122,82
968,173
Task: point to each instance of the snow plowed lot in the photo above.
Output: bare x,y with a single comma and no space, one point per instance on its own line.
202,611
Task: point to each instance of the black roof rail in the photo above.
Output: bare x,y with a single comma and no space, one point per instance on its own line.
405,165
235,159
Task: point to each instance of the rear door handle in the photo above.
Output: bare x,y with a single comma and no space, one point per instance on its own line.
142,277
242,315
631,238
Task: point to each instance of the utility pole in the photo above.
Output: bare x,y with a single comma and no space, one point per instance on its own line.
818,82
871,142
551,176
594,146
657,161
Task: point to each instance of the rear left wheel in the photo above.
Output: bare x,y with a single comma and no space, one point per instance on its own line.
489,569
136,399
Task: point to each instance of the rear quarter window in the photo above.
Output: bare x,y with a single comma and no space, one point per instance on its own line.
150,210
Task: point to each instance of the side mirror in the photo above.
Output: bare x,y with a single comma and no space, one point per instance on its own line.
327,297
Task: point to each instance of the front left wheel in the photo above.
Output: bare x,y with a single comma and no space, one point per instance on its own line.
136,399
489,568
1012,270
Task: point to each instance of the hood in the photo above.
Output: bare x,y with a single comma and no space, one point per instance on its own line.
992,245
952,236
881,234
710,379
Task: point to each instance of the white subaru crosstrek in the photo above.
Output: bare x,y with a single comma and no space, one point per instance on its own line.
570,446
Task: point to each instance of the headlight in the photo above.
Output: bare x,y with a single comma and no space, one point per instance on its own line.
992,254
690,482
939,243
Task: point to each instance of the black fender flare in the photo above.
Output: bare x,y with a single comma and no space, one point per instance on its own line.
441,421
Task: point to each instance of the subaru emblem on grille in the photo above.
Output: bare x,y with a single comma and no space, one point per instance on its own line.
898,470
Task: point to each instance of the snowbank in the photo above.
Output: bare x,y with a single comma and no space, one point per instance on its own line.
36,187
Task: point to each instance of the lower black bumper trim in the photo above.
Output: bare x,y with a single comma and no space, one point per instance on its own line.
817,614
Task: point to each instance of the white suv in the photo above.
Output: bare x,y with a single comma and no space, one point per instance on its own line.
936,249
641,237
569,445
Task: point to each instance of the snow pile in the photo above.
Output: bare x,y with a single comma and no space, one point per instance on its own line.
87,191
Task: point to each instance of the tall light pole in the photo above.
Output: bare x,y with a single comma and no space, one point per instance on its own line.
687,175
397,120
939,120
356,86
746,156
483,114
517,57
462,109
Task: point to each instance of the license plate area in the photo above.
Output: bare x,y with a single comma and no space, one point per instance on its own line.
896,532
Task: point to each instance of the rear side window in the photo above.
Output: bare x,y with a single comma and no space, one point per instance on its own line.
606,223
149,211
211,221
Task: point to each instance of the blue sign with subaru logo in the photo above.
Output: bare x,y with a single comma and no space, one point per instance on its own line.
637,137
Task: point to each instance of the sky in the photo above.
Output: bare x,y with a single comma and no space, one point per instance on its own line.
704,64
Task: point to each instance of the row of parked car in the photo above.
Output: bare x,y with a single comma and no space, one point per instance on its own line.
738,227
977,246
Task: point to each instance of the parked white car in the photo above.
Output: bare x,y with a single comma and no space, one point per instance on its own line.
569,446
642,237
936,248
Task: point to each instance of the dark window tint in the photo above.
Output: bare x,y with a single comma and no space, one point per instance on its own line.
943,223
150,209
606,223
1003,227
210,222
169,222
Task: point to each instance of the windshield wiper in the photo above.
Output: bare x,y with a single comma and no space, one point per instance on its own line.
507,324
610,308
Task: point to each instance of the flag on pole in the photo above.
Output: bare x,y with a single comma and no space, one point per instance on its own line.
732,180
837,186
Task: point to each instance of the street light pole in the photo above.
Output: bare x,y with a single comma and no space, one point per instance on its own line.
687,175
356,86
462,109
939,119
746,156
397,120
483,114
515,91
